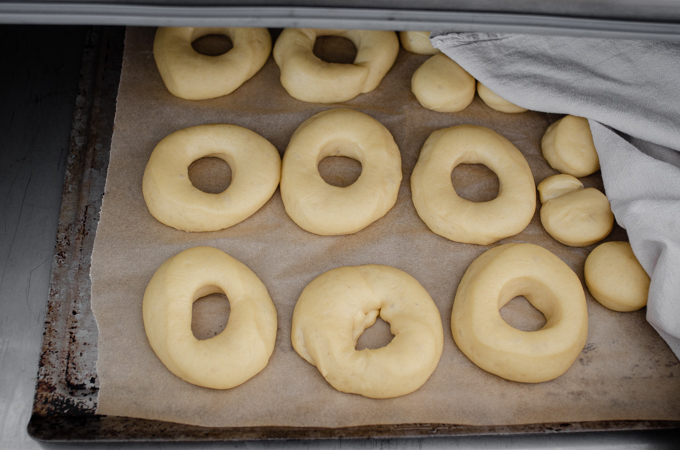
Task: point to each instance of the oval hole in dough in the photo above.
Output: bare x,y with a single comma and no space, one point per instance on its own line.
335,49
475,182
376,336
211,175
209,316
212,45
520,314
339,171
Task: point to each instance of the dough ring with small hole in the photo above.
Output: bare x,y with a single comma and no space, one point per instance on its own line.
337,306
174,201
235,355
460,220
495,278
192,76
320,208
310,79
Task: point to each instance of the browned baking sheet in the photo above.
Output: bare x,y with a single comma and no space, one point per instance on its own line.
625,372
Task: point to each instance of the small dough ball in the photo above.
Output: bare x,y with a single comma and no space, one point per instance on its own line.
572,215
495,101
615,278
417,42
568,147
442,85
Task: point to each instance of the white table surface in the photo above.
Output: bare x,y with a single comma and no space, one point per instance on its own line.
39,69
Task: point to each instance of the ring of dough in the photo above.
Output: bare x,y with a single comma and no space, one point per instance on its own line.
235,355
337,306
192,76
172,199
615,277
310,79
460,220
320,208
495,278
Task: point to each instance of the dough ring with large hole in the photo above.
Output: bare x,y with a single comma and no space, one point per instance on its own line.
310,79
192,76
495,278
174,201
460,220
235,355
320,208
337,306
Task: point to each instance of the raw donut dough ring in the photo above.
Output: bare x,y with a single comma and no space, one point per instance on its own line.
442,85
495,101
320,208
337,306
310,79
235,355
568,146
496,277
460,220
417,42
174,201
615,278
192,76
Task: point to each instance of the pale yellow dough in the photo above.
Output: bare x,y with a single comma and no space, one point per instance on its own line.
615,278
310,79
442,85
235,355
190,75
320,208
495,278
568,147
174,201
460,220
337,306
495,101
417,42
572,215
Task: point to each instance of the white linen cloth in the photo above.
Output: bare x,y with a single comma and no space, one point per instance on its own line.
630,93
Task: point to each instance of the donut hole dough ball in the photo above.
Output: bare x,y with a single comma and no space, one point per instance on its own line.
568,147
235,355
572,215
495,101
309,79
320,208
173,200
460,220
496,277
615,278
442,85
417,42
192,76
337,306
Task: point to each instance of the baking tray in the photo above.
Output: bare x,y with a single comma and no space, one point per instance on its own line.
67,385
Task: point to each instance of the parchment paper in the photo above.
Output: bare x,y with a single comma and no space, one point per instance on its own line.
626,371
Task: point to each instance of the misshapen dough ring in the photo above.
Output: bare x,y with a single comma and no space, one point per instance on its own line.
310,79
320,208
174,201
337,306
442,85
495,101
496,277
190,75
235,355
417,42
572,215
460,220
615,278
568,147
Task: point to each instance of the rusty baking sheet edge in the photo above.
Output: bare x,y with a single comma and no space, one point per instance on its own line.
67,385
